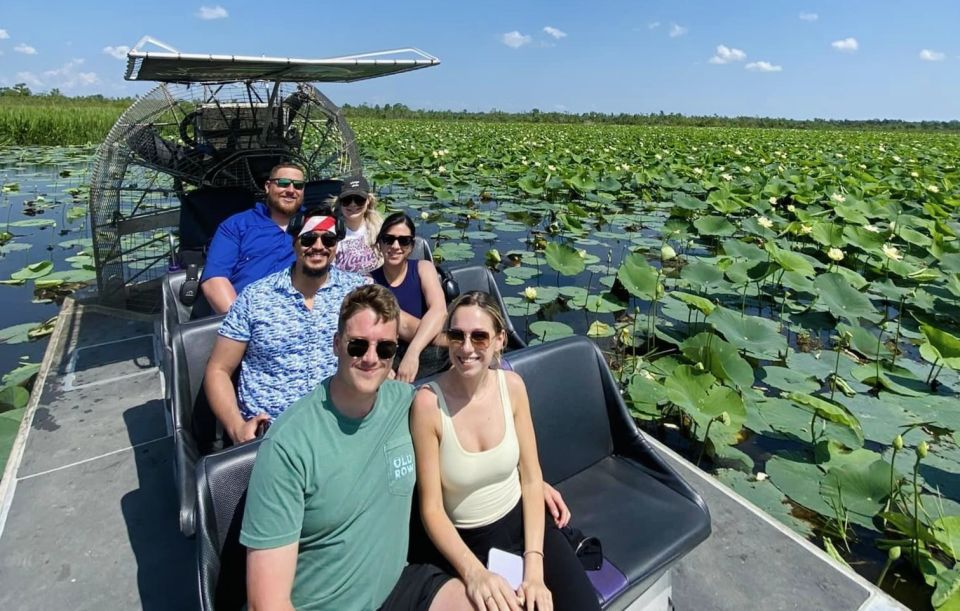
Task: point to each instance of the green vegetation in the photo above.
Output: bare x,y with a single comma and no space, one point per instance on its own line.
53,119
789,301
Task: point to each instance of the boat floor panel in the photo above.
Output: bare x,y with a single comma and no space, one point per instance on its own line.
70,427
751,561
99,535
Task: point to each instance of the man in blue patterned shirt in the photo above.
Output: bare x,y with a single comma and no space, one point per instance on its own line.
281,329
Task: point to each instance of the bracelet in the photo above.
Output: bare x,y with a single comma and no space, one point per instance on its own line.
532,551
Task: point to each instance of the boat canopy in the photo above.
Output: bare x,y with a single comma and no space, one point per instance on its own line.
171,66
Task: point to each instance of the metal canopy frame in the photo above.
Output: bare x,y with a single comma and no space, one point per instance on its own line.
171,66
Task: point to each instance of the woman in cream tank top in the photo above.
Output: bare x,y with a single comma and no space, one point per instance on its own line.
479,475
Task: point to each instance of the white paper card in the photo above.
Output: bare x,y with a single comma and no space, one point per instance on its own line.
507,565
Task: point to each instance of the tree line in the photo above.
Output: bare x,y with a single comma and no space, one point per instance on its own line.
21,92
400,111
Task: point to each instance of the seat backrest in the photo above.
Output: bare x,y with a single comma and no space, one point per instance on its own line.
421,249
222,480
319,192
479,278
566,382
174,312
202,211
191,351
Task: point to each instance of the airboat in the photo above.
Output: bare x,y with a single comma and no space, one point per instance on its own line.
115,496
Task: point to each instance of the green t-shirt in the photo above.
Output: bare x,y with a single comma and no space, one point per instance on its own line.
342,488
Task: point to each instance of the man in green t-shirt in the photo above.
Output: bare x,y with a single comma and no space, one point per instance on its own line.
328,507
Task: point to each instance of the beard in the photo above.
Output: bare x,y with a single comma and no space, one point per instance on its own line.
315,272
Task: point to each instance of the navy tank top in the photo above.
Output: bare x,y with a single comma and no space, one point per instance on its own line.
408,293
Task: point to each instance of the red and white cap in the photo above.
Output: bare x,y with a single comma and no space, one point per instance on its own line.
320,224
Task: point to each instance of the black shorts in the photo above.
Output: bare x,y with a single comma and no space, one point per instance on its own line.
416,588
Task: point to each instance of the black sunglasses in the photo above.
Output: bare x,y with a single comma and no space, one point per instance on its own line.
353,200
402,240
479,339
329,240
283,183
386,349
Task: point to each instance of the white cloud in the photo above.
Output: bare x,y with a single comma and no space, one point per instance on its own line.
119,52
212,12
67,76
763,67
847,44
677,30
809,16
928,55
3,34
653,25
552,31
725,55
515,39
25,49
30,79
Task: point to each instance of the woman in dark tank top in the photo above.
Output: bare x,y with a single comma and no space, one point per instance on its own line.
416,286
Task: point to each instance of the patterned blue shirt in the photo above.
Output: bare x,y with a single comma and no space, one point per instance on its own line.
289,347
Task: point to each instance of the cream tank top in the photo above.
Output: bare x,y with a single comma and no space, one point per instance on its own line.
479,488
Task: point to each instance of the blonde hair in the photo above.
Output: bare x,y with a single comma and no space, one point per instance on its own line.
372,220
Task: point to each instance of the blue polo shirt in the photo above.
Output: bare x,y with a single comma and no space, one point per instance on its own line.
248,246
289,347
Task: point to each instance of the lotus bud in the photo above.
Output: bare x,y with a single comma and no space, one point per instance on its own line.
493,256
894,554
724,418
530,293
922,449
667,252
699,366
898,443
424,215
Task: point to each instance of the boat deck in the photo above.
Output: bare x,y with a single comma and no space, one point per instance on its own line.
88,518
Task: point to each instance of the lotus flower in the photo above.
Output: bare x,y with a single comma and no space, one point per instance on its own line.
835,254
530,293
764,222
892,252
667,252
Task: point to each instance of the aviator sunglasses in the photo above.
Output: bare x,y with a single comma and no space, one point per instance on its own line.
283,183
479,339
386,349
329,240
402,240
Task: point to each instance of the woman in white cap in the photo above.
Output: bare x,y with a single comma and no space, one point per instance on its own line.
358,207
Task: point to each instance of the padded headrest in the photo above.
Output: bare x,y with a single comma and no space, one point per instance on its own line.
319,192
202,211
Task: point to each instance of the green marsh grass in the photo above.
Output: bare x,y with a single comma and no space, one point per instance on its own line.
44,120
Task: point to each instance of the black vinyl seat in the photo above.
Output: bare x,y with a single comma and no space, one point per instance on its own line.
479,278
221,481
201,212
616,485
618,488
195,428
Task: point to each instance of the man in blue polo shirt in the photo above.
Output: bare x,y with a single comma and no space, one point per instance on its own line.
281,328
252,244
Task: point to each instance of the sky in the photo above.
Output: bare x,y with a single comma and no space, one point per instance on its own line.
833,59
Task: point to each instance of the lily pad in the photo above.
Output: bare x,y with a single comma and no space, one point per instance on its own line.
757,336
547,330
564,259
861,490
639,278
842,300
